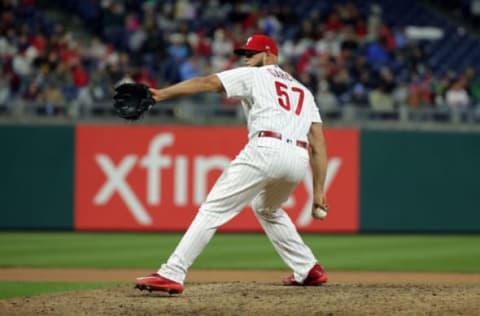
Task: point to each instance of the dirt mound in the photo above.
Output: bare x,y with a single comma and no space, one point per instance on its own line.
250,298
216,292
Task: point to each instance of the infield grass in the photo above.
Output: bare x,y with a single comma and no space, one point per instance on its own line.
15,289
436,253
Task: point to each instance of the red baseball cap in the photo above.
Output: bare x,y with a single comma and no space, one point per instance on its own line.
258,43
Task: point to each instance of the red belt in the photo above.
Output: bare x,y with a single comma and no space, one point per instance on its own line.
276,135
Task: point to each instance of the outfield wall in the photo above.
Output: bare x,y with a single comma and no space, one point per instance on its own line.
36,172
146,178
412,181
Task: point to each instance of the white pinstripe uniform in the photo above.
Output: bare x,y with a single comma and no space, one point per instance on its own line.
264,173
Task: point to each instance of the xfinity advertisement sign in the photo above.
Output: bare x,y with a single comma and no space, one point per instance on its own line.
157,178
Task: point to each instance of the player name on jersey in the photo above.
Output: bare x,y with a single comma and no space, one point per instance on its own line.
277,73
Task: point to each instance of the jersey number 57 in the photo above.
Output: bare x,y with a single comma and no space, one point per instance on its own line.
284,97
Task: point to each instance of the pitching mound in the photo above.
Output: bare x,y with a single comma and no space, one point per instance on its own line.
348,293
250,298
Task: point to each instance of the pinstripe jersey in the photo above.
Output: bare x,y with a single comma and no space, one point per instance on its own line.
272,100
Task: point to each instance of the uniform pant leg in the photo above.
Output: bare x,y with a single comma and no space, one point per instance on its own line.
280,229
235,188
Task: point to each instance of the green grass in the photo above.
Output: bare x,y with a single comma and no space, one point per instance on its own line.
436,253
16,289
452,253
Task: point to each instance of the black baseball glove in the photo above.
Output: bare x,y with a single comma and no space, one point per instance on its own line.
132,100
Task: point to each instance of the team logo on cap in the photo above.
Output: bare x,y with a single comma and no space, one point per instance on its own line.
249,39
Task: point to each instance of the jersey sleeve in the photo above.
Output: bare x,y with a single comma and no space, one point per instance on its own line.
237,82
315,112
316,115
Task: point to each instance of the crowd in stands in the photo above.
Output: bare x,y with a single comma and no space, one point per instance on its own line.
344,55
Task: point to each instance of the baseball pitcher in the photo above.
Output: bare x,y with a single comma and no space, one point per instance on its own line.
285,137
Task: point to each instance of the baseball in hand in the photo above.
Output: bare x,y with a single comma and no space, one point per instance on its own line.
319,213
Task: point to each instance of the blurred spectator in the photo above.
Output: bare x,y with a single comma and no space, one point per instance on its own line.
386,38
475,90
95,54
326,100
360,95
349,40
33,92
457,96
114,73
414,56
79,76
400,94
165,19
4,91
177,51
420,92
329,44
21,64
377,54
361,29
113,23
190,68
340,84
52,99
222,47
132,22
439,88
200,44
144,76
400,38
381,98
39,41
295,47
185,9
269,24
84,99
7,43
333,23
136,34
374,22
